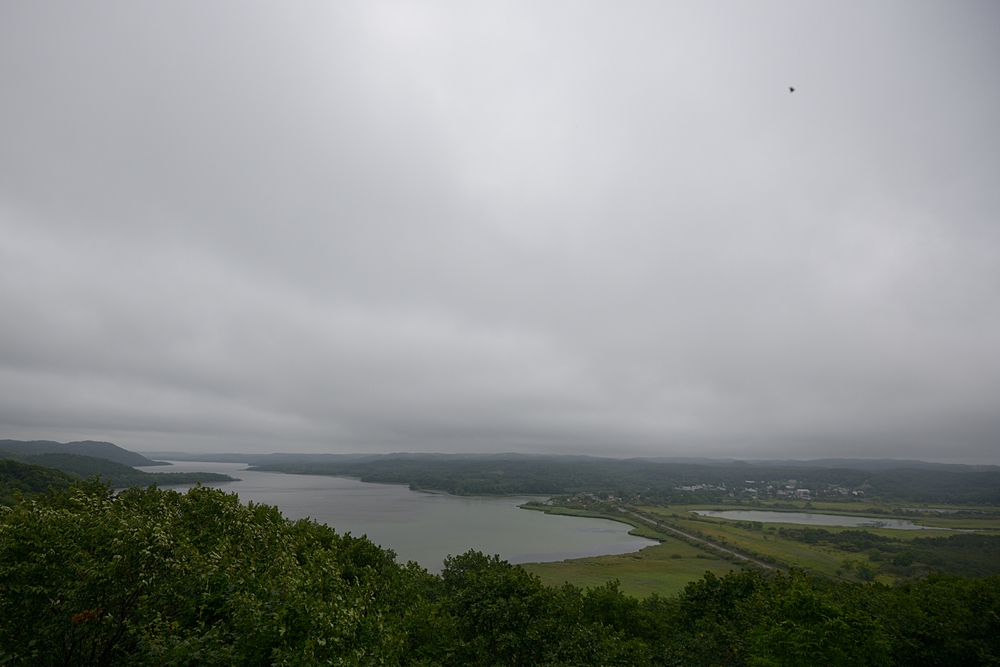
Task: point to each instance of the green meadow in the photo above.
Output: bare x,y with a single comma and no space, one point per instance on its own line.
666,568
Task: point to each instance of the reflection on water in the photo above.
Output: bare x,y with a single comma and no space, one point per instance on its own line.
425,527
812,519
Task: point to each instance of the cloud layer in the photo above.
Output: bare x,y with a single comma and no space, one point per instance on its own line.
556,227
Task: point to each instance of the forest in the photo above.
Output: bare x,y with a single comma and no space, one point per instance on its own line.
653,481
149,576
36,472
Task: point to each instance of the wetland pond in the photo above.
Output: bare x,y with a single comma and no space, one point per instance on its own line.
424,527
809,519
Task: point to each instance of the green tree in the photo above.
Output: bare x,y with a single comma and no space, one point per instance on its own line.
159,578
946,621
505,616
810,627
715,617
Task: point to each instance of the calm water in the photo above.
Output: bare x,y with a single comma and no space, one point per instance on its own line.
425,527
812,519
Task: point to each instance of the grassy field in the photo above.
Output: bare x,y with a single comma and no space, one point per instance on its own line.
665,569
767,541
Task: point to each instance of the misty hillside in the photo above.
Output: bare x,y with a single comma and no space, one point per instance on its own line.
103,450
118,475
870,465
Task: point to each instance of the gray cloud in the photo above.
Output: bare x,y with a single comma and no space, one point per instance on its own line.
558,227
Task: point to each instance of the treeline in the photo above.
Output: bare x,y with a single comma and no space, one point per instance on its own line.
118,475
651,480
155,577
967,554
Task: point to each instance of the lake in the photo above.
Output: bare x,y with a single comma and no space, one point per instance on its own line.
424,527
809,519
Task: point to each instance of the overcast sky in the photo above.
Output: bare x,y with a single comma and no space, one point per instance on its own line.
561,227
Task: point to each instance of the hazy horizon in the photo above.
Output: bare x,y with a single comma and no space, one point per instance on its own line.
560,228
165,455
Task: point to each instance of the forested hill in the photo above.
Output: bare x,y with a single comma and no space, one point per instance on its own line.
103,450
74,466
628,477
28,479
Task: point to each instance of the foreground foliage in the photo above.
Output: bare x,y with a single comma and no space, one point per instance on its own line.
154,577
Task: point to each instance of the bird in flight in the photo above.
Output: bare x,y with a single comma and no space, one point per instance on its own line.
791,89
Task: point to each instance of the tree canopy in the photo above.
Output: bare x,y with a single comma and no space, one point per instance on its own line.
155,577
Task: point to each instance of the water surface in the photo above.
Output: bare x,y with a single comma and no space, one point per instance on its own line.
425,527
809,519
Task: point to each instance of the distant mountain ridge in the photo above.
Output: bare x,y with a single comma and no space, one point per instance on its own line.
880,464
102,450
872,465
869,465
